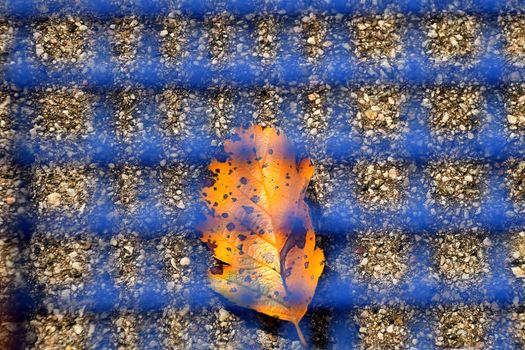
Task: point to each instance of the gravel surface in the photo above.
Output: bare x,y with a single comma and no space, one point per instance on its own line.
514,30
377,37
462,327
266,38
379,110
125,36
383,327
63,114
461,258
515,101
73,226
382,258
313,30
452,37
60,41
454,111
381,184
6,131
457,182
62,189
173,38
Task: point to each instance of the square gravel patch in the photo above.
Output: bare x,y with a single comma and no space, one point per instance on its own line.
6,121
452,37
174,110
268,112
219,37
378,111
62,40
377,37
63,114
267,29
383,327
381,257
462,327
173,38
460,258
513,28
65,190
515,106
56,330
63,262
313,29
455,111
381,184
457,183
125,34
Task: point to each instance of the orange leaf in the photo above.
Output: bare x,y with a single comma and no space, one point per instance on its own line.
259,226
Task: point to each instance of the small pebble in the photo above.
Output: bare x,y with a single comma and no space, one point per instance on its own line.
184,261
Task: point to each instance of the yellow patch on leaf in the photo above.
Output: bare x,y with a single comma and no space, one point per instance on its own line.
259,226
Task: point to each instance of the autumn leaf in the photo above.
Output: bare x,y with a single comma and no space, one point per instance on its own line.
259,227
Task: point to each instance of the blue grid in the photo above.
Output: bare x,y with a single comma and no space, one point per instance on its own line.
337,68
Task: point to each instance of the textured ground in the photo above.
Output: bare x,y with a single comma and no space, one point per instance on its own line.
74,222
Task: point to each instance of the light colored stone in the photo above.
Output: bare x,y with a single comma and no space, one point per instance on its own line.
53,199
518,272
223,315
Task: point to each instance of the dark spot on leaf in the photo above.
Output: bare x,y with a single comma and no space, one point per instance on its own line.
217,270
248,279
306,264
288,272
270,151
255,199
224,215
211,245
242,237
247,209
236,138
230,226
243,180
208,182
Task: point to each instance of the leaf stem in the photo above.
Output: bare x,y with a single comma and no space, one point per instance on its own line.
300,334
